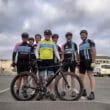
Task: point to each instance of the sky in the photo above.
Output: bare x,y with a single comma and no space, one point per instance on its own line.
61,16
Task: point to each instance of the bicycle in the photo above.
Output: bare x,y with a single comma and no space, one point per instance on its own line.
63,82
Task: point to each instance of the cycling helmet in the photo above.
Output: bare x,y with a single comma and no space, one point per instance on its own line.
84,31
47,32
25,35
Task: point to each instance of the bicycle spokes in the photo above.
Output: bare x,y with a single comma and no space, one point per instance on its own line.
68,88
23,87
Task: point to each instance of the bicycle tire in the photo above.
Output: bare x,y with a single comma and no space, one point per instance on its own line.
13,83
76,77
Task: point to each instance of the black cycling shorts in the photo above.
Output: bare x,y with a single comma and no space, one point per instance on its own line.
69,65
47,64
22,67
85,66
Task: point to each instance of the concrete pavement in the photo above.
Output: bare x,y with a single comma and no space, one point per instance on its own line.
58,105
102,101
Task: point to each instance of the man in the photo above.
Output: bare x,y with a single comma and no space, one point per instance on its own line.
70,58
55,38
31,41
32,54
22,51
45,52
87,54
69,53
37,39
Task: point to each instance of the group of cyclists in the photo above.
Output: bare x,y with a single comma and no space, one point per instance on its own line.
48,53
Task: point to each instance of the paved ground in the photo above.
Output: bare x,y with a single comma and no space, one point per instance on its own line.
102,101
59,105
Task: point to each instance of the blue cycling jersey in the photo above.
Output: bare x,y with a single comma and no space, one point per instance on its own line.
85,49
69,49
23,50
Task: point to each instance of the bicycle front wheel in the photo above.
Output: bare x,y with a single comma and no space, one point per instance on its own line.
68,87
23,86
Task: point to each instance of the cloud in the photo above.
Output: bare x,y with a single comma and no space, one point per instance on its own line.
34,16
103,46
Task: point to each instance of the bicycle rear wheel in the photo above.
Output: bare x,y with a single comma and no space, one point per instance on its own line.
23,86
69,89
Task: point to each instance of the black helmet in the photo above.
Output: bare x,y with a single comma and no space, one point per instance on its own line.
84,31
68,34
47,32
25,35
55,35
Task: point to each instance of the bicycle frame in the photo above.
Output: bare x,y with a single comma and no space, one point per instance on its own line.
49,80
55,75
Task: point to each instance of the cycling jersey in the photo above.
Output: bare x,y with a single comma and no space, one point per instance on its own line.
85,50
35,45
32,54
55,68
23,50
46,49
69,49
59,50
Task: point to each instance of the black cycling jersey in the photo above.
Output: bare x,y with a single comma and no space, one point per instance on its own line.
32,54
69,49
85,50
23,49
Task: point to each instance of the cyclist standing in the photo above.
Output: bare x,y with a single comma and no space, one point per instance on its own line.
37,39
45,52
55,38
69,53
22,51
70,58
87,53
32,54
31,43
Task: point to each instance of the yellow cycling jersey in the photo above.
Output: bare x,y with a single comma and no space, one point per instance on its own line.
46,50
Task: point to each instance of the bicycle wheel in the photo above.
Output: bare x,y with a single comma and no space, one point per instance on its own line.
23,86
69,89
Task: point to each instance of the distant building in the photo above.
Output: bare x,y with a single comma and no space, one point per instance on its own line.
5,66
102,60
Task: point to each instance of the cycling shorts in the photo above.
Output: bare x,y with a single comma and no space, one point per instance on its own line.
22,67
85,66
45,65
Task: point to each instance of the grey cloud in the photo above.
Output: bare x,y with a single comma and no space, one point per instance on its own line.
6,53
5,1
68,17
104,27
27,10
14,14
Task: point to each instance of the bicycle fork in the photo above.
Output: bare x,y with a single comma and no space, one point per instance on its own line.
66,82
